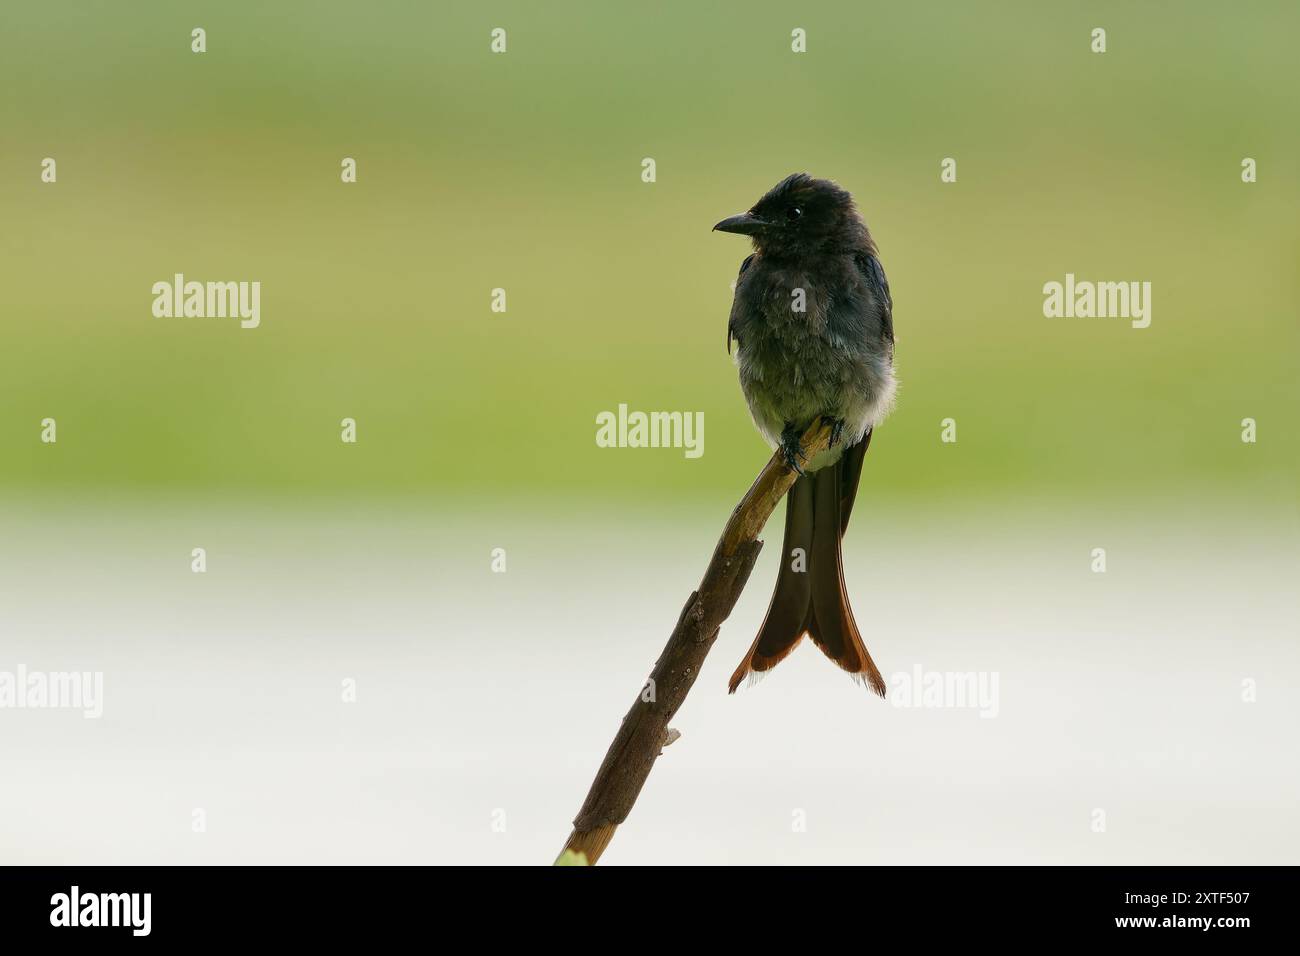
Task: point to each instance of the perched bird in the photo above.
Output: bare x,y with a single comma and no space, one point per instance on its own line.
813,325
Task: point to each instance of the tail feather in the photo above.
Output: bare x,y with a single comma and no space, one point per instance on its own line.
850,471
830,621
810,597
787,615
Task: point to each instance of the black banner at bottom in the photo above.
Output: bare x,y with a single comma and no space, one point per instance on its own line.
98,905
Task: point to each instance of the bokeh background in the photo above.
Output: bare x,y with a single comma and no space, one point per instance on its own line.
486,697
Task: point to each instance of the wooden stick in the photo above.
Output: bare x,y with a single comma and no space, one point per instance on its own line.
645,731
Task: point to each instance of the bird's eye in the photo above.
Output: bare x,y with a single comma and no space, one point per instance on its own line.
793,213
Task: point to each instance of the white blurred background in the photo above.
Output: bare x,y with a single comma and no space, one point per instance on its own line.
485,701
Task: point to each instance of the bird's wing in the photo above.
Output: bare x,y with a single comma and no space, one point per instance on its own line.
731,324
874,273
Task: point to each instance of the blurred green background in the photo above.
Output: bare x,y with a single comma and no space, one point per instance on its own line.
522,171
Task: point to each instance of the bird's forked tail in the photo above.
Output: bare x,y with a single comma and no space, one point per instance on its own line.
810,597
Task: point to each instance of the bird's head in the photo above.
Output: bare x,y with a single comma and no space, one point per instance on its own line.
801,216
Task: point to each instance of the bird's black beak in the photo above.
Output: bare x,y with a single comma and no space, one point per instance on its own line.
745,224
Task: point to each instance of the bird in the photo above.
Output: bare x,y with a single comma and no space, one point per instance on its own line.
812,320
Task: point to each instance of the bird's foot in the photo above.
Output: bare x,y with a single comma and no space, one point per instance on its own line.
837,429
792,449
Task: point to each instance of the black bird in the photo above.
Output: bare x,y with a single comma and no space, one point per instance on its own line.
813,324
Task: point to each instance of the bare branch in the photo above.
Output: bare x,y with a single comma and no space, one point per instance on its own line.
644,732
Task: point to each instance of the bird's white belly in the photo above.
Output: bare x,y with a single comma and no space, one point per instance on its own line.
862,407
